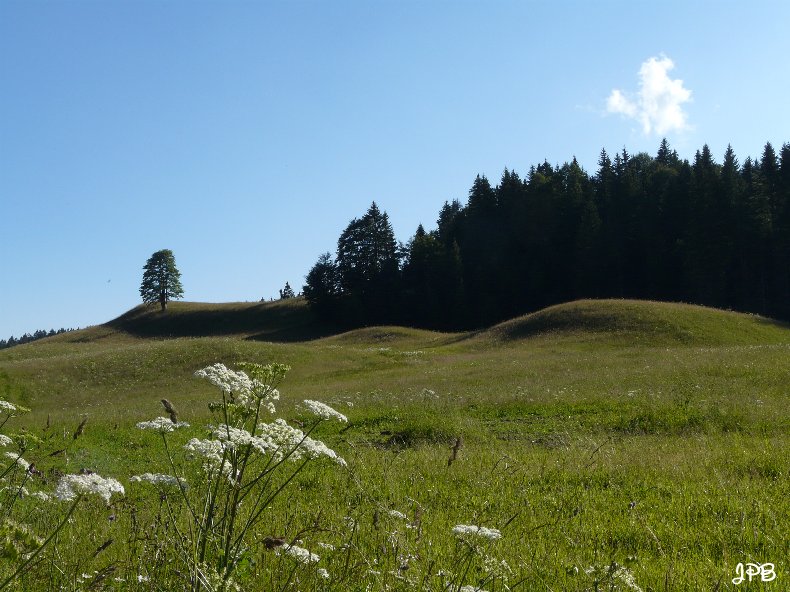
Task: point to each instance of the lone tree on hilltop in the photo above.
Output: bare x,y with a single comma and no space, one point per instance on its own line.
161,279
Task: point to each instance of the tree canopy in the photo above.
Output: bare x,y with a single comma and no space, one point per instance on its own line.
161,279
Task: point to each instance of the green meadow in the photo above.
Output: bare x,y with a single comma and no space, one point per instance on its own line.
614,445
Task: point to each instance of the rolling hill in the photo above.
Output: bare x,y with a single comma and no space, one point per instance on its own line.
642,322
637,322
598,417
142,355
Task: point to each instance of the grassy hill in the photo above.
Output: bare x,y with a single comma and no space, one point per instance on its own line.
131,359
625,322
596,431
638,322
280,320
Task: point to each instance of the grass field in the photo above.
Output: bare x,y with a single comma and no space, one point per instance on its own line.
616,445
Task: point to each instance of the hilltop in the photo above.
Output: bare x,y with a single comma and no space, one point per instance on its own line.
641,322
278,321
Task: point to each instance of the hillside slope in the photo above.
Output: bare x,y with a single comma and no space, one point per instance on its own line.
279,321
639,322
120,370
624,322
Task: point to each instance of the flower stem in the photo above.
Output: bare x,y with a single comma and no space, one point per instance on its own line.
22,567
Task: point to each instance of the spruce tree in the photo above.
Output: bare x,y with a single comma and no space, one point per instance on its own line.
368,269
161,279
322,286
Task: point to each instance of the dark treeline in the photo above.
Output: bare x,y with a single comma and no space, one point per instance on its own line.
27,337
641,227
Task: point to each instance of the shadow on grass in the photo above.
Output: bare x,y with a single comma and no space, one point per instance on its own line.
278,321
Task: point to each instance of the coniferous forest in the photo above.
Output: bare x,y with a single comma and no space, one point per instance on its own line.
660,228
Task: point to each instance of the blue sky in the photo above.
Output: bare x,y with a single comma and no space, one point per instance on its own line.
244,136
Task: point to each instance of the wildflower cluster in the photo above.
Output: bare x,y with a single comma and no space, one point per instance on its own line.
288,441
241,455
214,454
301,555
277,439
467,531
244,391
226,379
162,425
159,479
17,458
323,411
71,486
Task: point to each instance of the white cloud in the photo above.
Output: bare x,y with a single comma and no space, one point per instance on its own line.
658,105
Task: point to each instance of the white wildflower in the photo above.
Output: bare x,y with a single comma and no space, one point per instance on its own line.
209,449
232,436
236,384
468,530
17,458
235,437
5,440
6,406
159,479
141,578
470,589
162,425
226,379
301,555
269,396
212,453
283,439
315,448
72,485
327,546
322,573
323,410
396,514
40,495
242,389
499,569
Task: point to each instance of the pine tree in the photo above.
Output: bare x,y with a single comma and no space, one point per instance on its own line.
449,219
161,279
366,249
367,264
287,292
322,286
482,198
420,281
